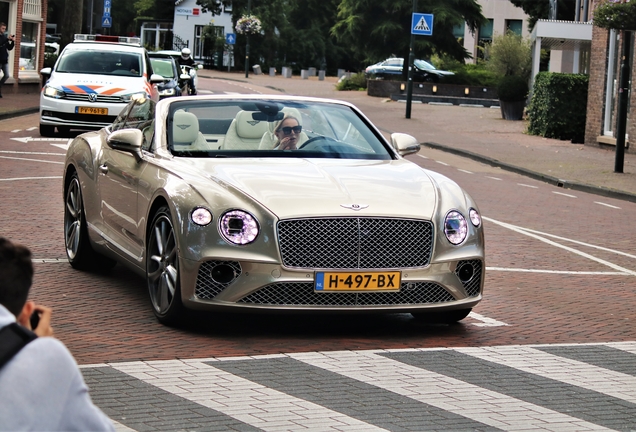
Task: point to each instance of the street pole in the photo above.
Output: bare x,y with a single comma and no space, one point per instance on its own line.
623,96
247,43
409,80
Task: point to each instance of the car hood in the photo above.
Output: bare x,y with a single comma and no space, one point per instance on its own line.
326,187
100,84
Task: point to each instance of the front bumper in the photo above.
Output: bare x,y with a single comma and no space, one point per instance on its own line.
60,112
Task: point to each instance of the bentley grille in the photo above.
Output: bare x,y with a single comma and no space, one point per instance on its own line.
303,294
355,243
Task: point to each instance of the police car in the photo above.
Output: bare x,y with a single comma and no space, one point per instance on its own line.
93,80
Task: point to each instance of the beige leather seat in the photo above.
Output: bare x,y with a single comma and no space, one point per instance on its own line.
244,133
185,132
268,140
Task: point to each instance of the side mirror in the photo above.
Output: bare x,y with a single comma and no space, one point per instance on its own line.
199,66
184,77
156,78
46,71
128,140
404,144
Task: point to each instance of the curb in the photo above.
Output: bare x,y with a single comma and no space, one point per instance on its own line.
18,113
596,190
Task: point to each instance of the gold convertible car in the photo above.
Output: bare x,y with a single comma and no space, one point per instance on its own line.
279,203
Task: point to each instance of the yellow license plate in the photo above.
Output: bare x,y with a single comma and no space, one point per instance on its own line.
92,110
357,281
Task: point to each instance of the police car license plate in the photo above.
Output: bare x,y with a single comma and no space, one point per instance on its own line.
357,281
91,110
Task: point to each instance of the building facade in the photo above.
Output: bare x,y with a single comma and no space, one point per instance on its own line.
27,20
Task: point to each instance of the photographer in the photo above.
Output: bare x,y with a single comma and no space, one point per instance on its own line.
41,387
6,44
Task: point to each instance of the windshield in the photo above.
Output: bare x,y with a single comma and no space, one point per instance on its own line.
421,64
91,61
271,128
162,67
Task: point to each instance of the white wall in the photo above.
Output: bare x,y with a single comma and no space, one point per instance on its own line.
184,24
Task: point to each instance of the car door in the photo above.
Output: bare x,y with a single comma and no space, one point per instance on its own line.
118,182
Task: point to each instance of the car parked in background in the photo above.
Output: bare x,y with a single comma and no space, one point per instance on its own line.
92,81
174,80
193,194
192,70
391,68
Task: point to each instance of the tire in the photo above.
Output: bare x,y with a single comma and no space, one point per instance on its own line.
449,317
47,130
79,252
162,269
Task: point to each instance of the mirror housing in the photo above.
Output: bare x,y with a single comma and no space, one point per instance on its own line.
46,71
156,78
127,140
184,77
404,144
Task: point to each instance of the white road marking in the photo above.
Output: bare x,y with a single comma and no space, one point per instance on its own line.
485,321
442,391
564,194
62,146
529,233
29,139
422,156
528,186
494,178
505,269
16,130
442,163
244,400
31,160
231,93
465,171
32,128
573,372
30,178
606,205
32,153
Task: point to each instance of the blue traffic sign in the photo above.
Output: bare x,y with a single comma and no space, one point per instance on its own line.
106,21
230,38
422,24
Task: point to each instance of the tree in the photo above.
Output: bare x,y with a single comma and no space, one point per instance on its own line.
540,9
381,28
71,21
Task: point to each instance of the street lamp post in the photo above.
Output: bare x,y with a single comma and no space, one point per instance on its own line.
247,43
623,101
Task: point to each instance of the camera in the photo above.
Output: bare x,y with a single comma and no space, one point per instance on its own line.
35,319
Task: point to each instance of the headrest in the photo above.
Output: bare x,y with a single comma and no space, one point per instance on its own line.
185,128
247,127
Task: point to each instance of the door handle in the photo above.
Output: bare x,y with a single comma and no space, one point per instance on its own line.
103,169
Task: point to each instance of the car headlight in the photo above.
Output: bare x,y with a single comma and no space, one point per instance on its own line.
201,216
136,96
52,92
455,227
475,217
238,227
167,92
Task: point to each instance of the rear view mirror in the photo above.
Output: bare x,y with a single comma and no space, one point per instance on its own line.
261,116
404,144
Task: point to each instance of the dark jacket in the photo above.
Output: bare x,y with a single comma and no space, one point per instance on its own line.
6,45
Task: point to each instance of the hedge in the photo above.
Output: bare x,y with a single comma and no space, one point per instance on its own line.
558,106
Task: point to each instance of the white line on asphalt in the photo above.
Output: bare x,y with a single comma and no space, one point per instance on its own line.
494,178
32,153
49,260
465,171
29,139
242,399
31,178
16,130
422,156
62,146
31,160
564,194
606,205
504,269
442,163
485,321
232,93
442,391
32,128
528,186
529,233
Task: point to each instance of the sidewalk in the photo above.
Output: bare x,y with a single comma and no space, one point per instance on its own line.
478,133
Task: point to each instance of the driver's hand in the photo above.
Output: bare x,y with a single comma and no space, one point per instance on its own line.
287,143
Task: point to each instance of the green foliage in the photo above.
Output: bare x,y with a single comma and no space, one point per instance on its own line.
512,88
510,54
377,29
470,74
614,15
558,106
356,82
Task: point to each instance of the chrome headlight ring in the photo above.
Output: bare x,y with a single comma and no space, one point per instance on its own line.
238,227
455,227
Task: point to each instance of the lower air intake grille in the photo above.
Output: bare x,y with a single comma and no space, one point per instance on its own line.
303,294
207,288
473,285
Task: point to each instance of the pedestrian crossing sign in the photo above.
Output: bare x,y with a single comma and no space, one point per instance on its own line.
106,21
422,24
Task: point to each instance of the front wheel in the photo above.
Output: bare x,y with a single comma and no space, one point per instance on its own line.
79,252
449,317
47,130
162,269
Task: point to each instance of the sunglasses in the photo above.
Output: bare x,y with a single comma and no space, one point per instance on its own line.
287,130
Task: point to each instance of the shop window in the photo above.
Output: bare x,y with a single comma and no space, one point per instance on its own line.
29,46
485,37
515,26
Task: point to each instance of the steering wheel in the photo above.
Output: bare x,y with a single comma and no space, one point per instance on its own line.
306,144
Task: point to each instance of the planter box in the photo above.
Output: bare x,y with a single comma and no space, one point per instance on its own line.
512,110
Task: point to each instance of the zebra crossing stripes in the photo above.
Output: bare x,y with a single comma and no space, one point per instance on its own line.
512,388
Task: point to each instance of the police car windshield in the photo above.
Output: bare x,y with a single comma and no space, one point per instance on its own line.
90,61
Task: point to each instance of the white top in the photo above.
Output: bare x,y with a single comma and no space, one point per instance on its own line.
41,388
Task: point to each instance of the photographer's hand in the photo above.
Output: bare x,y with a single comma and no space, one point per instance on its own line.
44,326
